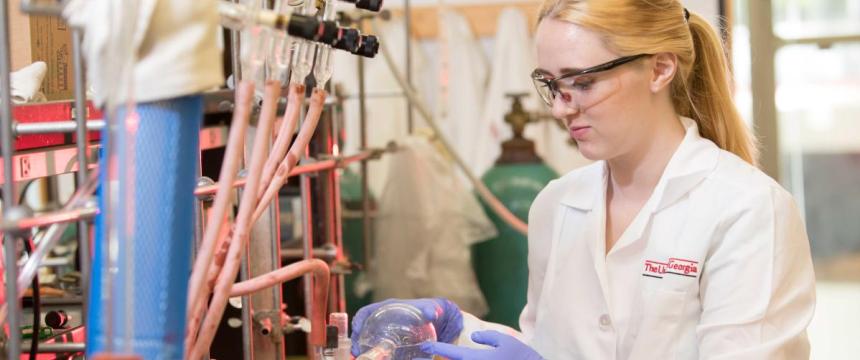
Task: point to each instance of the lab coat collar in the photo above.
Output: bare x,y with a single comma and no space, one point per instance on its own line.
694,159
584,190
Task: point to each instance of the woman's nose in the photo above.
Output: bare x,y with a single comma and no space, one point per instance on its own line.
561,109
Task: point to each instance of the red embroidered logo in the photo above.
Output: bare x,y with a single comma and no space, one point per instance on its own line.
674,266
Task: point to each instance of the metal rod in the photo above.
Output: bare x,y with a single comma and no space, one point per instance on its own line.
13,344
322,253
307,245
338,218
407,22
247,320
327,184
63,301
365,191
378,95
56,348
823,41
42,8
312,167
263,255
235,55
299,170
63,126
356,214
58,217
81,127
308,240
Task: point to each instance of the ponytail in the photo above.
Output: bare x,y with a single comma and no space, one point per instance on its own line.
706,94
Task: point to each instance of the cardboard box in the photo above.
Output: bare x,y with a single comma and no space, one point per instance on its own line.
19,36
43,38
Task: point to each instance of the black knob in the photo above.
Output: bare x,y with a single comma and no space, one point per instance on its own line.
348,40
328,32
369,46
371,5
57,319
305,27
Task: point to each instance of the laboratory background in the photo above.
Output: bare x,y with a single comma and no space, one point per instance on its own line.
235,179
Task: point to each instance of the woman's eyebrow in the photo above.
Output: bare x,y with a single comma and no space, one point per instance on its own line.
570,70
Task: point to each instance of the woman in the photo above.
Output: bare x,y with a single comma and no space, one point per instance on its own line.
672,244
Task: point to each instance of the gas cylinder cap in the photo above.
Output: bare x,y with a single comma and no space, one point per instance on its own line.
518,149
518,117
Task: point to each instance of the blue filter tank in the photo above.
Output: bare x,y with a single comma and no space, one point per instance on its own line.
166,154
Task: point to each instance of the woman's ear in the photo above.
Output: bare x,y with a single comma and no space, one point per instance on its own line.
663,68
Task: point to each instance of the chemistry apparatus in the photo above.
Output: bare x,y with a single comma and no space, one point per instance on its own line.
261,166
217,259
395,332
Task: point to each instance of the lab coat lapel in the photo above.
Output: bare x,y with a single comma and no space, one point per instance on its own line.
694,159
587,196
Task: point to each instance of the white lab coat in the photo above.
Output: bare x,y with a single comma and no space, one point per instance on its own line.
715,266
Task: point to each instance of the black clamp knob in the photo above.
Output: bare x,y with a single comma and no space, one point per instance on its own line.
369,46
57,319
327,33
370,5
348,40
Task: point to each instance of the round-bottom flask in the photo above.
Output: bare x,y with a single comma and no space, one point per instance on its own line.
395,332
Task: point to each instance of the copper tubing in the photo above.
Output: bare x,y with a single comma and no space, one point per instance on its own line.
61,216
113,356
321,276
282,142
243,223
219,256
286,166
197,291
501,210
318,267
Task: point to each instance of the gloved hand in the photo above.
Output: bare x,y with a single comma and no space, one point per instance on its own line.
443,313
505,347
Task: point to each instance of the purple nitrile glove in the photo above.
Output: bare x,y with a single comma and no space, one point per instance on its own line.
505,347
443,313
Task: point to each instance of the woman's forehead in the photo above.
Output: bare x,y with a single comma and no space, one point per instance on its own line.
564,47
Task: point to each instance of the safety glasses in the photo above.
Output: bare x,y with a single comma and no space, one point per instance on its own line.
583,88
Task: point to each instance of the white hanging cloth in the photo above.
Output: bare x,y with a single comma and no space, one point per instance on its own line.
462,80
512,59
426,226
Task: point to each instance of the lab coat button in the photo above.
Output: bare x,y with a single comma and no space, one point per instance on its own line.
605,321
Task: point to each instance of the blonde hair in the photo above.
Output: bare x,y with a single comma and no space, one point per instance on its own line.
701,87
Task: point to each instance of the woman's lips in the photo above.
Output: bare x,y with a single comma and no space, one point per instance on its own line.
579,132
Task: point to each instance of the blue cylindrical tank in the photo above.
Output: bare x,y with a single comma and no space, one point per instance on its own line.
151,312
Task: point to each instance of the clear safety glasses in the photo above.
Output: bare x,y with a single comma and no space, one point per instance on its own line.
583,88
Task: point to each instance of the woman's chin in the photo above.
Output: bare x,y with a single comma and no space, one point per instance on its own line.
591,151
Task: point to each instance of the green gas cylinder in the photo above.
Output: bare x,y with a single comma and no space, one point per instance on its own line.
353,231
501,263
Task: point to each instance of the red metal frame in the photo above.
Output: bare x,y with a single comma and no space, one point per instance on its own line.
50,112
